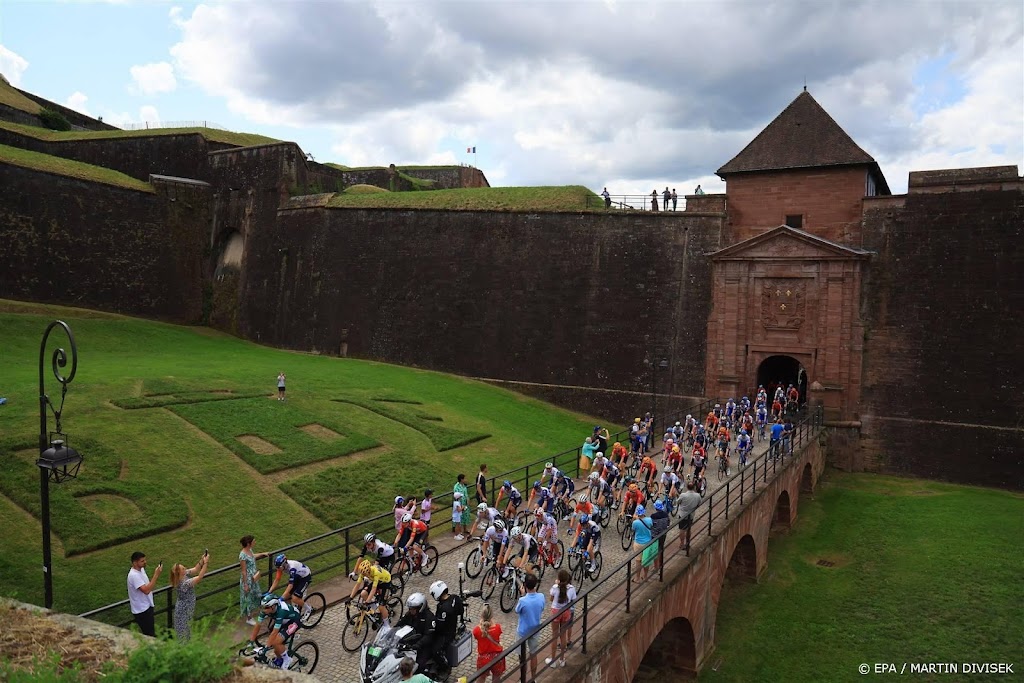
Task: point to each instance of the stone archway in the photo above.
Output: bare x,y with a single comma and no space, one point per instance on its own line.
783,513
671,656
743,563
807,480
785,370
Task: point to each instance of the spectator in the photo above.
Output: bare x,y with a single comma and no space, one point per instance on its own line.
530,608
601,436
460,487
458,507
481,485
788,430
140,593
698,191
184,582
687,503
426,505
401,509
667,196
249,582
488,644
675,199
642,527
406,667
587,453
654,200
562,593
775,440
607,198
280,386
659,521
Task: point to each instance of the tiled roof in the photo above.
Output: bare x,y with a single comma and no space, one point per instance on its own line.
802,136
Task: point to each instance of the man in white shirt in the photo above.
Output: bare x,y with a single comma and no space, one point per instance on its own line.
140,593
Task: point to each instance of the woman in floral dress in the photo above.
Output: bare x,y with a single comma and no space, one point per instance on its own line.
185,580
249,583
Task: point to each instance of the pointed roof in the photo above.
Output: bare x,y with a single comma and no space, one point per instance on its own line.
789,243
802,136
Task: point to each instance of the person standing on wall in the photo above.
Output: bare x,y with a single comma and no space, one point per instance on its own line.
481,485
675,199
280,386
607,198
667,196
140,593
654,200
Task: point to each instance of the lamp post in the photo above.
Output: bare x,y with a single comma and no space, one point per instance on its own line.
57,460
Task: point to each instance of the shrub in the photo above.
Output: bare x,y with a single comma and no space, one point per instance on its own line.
172,661
54,120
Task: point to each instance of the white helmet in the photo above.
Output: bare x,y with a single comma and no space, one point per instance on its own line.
481,507
406,518
416,600
594,476
437,589
548,465
516,532
678,424
582,498
499,525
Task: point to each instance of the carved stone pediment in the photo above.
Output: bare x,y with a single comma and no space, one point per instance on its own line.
783,303
785,242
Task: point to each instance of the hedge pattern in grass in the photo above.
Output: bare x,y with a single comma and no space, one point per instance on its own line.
154,508
442,438
164,400
276,422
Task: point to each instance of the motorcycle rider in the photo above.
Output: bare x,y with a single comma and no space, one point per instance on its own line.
422,621
449,610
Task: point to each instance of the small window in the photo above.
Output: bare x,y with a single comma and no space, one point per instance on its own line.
796,221
870,190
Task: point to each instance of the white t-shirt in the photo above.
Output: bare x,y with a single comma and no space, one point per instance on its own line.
570,594
140,602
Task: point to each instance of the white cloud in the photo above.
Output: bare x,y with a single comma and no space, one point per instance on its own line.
12,66
77,102
151,79
149,114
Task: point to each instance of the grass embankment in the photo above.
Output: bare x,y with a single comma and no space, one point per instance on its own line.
180,467
211,134
14,99
567,198
924,572
67,167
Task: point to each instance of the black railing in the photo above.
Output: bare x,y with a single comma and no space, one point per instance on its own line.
635,202
151,125
617,585
342,546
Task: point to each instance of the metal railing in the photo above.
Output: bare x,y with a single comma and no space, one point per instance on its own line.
617,586
634,202
342,546
149,125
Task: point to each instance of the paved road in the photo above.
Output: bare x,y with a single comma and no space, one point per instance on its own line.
338,666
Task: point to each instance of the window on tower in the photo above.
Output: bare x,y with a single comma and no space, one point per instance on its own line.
795,221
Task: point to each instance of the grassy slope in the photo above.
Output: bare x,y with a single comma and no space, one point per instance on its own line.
927,572
67,167
568,198
13,98
226,498
212,134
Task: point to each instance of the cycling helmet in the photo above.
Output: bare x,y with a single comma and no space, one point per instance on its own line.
636,420
516,532
582,498
499,525
597,455
630,479
540,512
617,445
668,470
675,449
634,487
640,511
369,538
437,589
594,476
363,566
416,600
743,432
536,485
279,560
481,507
406,518
584,519
745,398
689,417
268,600
560,475
548,465
659,505
506,484
399,500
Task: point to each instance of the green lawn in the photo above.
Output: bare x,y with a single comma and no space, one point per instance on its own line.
925,572
568,198
67,167
13,98
175,422
212,134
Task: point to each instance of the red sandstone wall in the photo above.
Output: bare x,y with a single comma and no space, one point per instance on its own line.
828,198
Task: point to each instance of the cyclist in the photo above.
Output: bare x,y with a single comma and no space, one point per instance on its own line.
411,535
698,460
381,551
583,507
541,496
678,431
730,409
647,472
776,408
547,531
620,454
515,499
299,577
701,439
669,484
494,540
780,394
747,422
762,395
744,446
633,497
371,580
675,458
604,491
286,621
762,419
611,475
484,515
793,398
550,472
528,549
744,404
666,449
563,489
588,539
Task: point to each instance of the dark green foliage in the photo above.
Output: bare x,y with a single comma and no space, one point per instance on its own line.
54,120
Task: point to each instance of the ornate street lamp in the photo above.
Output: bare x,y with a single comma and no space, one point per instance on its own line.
57,460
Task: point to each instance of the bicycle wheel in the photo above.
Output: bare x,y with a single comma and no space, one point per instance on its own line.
721,470
396,608
574,559
474,563
598,563
620,523
305,655
522,517
509,596
559,555
431,555
489,582
674,509
606,518
578,573
317,605
594,494
401,570
626,538
354,634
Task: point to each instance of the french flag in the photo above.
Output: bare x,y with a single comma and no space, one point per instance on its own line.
471,150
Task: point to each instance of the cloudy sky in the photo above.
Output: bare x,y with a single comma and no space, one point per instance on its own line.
629,95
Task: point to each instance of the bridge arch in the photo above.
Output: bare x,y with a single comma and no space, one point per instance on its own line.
673,649
743,562
783,512
807,480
